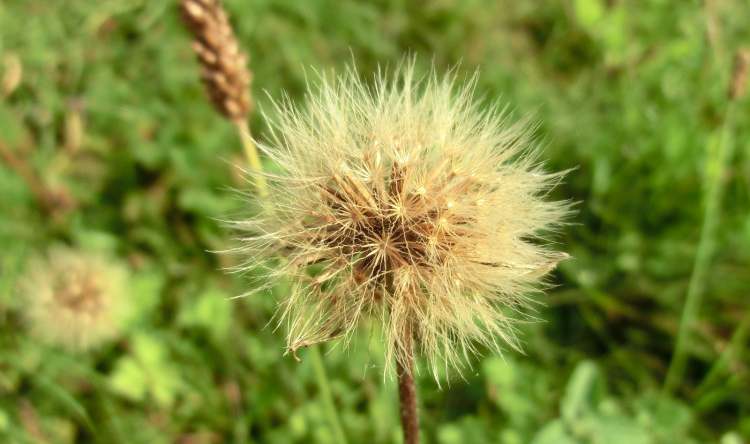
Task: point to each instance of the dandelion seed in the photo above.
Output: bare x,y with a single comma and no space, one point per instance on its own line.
422,209
73,299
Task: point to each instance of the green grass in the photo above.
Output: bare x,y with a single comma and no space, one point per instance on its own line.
632,94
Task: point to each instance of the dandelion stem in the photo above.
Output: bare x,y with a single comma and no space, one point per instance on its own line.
251,154
325,391
407,393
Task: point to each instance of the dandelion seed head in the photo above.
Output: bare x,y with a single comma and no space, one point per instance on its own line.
419,208
73,299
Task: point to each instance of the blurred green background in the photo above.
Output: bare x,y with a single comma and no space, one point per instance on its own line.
109,113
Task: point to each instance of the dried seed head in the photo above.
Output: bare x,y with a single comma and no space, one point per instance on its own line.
413,206
12,74
224,65
73,299
738,83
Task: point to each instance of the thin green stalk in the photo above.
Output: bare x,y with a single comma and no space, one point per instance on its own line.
253,159
325,391
719,155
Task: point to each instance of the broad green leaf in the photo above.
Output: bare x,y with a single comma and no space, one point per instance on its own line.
147,373
664,416
145,291
4,420
732,438
129,380
202,201
554,433
615,429
589,12
100,241
164,381
582,392
211,310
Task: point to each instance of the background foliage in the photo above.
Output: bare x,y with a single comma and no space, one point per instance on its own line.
632,94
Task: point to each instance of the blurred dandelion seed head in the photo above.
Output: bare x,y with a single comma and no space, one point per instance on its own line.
408,202
74,299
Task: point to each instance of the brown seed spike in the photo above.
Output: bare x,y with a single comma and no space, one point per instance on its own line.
224,66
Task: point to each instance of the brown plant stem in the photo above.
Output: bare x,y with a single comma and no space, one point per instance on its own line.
407,393
49,201
31,422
